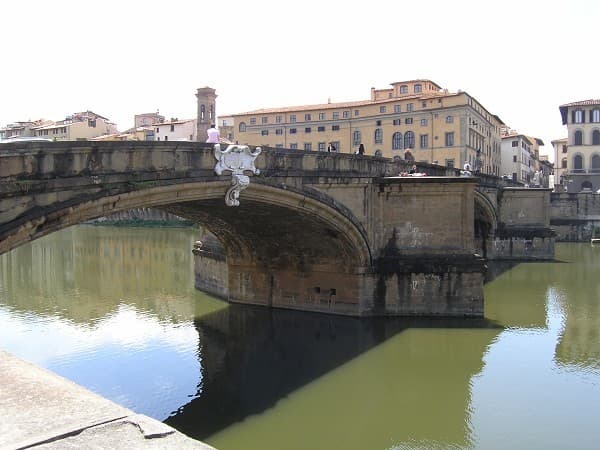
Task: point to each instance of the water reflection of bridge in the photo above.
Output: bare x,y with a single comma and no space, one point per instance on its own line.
252,358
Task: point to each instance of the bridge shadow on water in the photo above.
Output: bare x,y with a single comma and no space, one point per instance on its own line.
251,357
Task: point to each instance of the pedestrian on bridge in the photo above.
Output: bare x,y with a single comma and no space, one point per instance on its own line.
213,135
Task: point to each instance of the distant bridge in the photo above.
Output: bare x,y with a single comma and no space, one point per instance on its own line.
315,231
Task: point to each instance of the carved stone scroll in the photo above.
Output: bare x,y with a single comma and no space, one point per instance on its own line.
236,159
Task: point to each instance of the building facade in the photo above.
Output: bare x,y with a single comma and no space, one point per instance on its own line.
21,129
78,126
147,119
579,158
175,130
560,147
517,158
437,127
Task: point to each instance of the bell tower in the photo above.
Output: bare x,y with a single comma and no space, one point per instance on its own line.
207,111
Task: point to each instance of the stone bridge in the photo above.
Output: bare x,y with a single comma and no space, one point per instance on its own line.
314,231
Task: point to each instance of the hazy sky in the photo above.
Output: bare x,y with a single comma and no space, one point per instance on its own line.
520,59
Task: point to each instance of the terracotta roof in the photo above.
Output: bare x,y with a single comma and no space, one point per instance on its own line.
322,106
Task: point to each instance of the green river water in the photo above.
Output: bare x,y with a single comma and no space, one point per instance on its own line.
114,309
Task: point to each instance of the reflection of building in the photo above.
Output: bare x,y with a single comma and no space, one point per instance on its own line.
437,126
579,159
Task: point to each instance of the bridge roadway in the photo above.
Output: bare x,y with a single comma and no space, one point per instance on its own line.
313,231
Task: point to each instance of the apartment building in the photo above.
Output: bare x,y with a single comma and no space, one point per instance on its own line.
79,126
577,158
417,115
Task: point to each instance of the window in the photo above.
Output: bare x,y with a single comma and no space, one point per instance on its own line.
515,143
202,111
336,115
321,116
307,130
277,119
346,114
449,163
409,139
321,129
252,120
514,158
577,162
577,116
418,88
378,136
356,137
397,108
382,109
356,113
335,127
278,145
294,146
423,122
424,141
378,123
564,149
241,127
404,89
578,138
408,120
307,118
397,121
292,131
264,132
293,118
307,146
563,163
449,119
265,120
166,138
397,141
596,163
409,107
596,137
279,131
449,139
595,115
321,146
172,128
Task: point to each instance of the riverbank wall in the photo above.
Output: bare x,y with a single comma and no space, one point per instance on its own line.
575,217
41,409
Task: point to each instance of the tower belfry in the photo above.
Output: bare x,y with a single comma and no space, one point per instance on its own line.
207,111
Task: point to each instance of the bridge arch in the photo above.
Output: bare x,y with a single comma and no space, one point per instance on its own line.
268,223
486,222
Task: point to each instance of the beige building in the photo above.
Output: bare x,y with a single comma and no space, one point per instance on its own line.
577,160
437,126
79,126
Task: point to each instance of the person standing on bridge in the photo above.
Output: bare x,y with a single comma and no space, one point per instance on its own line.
361,149
213,135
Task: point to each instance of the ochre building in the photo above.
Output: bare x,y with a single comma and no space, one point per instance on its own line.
437,126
